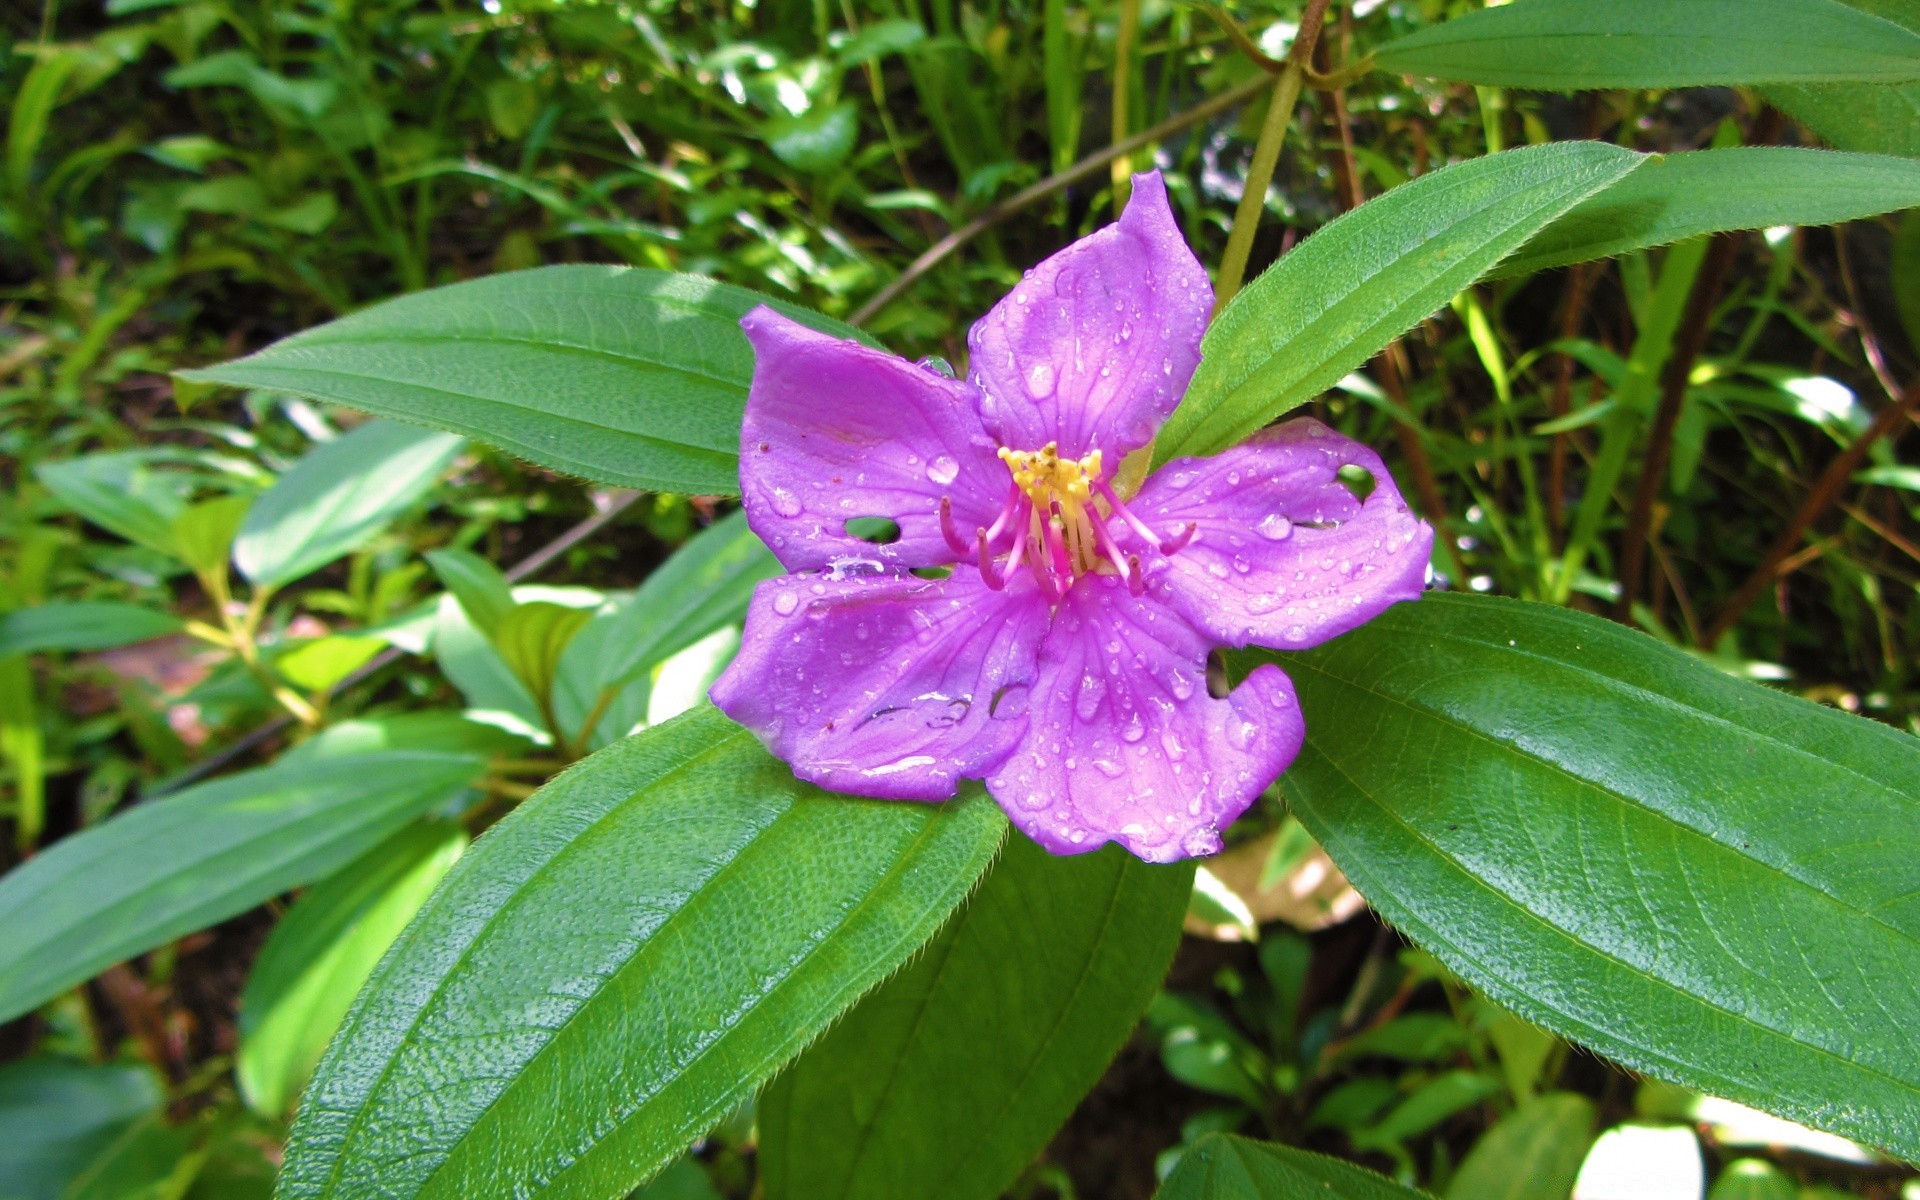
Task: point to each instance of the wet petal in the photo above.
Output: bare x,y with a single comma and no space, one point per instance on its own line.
1284,555
836,431
1125,744
1095,346
889,686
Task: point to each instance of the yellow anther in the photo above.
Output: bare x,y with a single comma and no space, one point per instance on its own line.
1044,476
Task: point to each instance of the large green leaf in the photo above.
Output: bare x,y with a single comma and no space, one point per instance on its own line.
338,497
1678,196
1532,1153
323,950
1340,296
82,625
617,374
181,863
619,963
948,1080
1881,118
1567,45
1701,878
1225,1167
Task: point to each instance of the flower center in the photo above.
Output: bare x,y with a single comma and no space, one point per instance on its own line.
1055,520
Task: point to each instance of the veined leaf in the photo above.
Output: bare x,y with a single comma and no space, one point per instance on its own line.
1678,196
1567,45
1703,879
617,374
323,950
948,1080
57,1117
617,964
1224,1167
1532,1153
181,863
81,625
1881,118
339,496
1340,296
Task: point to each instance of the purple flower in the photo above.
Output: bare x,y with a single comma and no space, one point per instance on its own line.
1063,658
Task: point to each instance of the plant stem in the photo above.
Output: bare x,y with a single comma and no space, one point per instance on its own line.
1123,47
1266,156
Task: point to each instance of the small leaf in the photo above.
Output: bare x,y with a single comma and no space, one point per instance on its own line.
948,1080
1753,1179
1536,795
1365,278
617,965
181,863
1677,196
1225,1167
615,374
817,140
1532,1153
81,625
1566,45
339,496
531,638
203,534
319,663
484,593
322,951
121,493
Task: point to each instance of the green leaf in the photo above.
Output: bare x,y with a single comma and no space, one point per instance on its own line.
1566,45
1537,796
1878,118
531,638
616,374
81,625
322,952
484,593
57,1117
1340,296
817,140
1221,1166
1533,1153
702,587
121,493
338,497
1753,1179
320,663
1677,196
948,1080
181,863
203,533
618,964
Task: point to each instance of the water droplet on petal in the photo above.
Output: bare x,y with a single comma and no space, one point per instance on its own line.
1274,527
1040,380
785,503
943,470
785,602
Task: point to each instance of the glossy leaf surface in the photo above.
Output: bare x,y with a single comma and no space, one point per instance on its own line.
1617,842
1532,1153
338,497
618,964
1226,1167
58,1117
1677,196
615,374
1567,45
1880,118
181,863
1342,295
953,1075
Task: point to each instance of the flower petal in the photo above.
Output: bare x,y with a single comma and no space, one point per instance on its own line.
1284,555
1124,742
888,686
1095,346
835,431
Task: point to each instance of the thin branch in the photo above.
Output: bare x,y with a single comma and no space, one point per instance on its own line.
1027,197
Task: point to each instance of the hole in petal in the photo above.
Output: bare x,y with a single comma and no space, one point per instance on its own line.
881,531
1358,480
1009,701
932,572
1219,678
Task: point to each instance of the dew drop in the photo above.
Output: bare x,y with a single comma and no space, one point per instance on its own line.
1040,380
1274,527
785,602
1135,730
785,503
943,470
